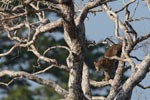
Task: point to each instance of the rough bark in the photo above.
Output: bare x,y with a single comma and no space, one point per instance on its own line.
134,79
76,57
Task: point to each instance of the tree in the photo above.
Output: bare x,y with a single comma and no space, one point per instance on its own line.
24,23
148,3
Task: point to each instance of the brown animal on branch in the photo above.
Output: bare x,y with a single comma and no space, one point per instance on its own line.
106,64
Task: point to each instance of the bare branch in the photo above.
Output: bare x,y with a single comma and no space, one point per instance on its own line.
139,19
34,78
15,27
132,30
100,84
85,82
34,50
54,47
12,17
117,28
143,87
117,58
114,18
116,83
59,1
135,78
142,38
44,70
125,6
7,84
89,6
98,98
135,9
9,51
135,58
51,26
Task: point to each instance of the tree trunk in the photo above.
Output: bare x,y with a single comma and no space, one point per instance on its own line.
76,57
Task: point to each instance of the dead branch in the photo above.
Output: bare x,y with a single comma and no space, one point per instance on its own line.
85,82
116,83
125,6
100,84
143,87
88,6
112,15
54,47
98,98
51,26
49,83
9,51
46,59
44,70
134,79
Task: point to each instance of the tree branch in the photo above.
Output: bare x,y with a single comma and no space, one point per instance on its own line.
134,79
116,83
113,16
9,51
49,83
125,6
143,87
100,84
46,59
85,82
98,98
51,26
89,6
148,4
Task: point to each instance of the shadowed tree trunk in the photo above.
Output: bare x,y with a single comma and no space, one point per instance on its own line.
24,23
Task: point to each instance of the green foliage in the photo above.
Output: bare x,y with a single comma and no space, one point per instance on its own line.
19,93
46,93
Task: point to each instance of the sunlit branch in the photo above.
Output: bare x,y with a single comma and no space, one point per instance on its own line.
46,59
100,84
9,51
135,77
85,82
51,26
7,84
44,70
98,98
88,6
54,47
114,18
49,83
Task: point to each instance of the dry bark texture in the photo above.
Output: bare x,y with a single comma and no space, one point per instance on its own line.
71,21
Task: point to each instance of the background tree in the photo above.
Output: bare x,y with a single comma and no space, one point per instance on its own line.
31,50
